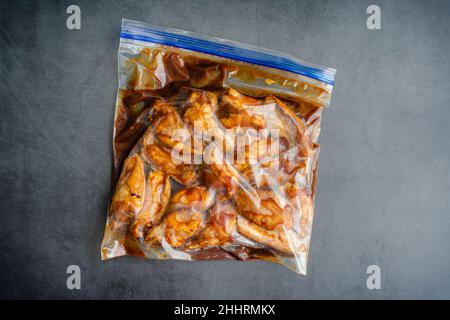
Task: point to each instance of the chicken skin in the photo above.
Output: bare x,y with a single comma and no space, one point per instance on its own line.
127,200
157,195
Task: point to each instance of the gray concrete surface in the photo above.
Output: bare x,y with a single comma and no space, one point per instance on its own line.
384,170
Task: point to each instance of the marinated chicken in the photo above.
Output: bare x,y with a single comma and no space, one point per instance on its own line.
213,159
157,196
166,122
199,198
238,110
157,145
185,218
219,228
268,212
127,200
182,225
254,189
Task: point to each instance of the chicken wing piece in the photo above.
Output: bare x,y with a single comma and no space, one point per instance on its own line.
218,232
227,175
157,197
161,159
231,178
235,102
269,167
292,152
166,121
171,131
289,238
199,198
186,217
259,151
291,128
129,192
155,236
200,114
223,219
201,107
126,202
280,238
270,113
269,213
182,225
210,179
236,120
238,110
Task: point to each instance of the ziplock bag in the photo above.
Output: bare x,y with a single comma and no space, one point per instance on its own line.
215,149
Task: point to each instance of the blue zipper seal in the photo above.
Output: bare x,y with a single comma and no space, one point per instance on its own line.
147,33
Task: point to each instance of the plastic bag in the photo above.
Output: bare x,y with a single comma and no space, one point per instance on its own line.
215,149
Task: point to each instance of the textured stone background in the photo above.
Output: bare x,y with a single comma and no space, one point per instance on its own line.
384,170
